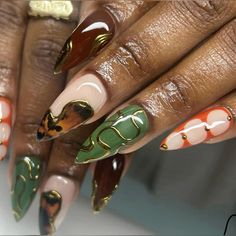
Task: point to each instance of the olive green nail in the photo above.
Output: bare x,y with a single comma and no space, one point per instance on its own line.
123,128
26,177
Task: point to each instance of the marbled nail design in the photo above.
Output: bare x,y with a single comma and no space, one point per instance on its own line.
106,178
56,198
86,40
75,105
5,125
202,127
123,128
26,179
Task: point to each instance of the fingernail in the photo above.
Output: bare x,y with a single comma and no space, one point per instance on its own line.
123,128
106,179
202,127
56,198
26,178
86,40
5,125
75,105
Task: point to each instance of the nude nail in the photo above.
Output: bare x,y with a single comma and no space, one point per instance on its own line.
56,198
202,127
81,99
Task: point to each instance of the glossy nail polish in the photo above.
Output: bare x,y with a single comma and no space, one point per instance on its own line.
5,125
86,40
56,198
76,104
26,179
202,127
106,179
123,128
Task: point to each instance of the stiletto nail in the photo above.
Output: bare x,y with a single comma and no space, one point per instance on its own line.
202,127
86,40
26,180
75,105
106,179
5,125
123,128
56,198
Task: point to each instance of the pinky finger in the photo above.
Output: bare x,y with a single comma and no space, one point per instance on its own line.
215,124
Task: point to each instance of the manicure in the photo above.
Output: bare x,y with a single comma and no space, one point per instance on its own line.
123,128
26,178
56,198
76,104
106,179
86,40
5,125
202,127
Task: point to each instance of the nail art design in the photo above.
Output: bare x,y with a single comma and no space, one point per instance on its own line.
106,178
86,40
25,185
75,105
202,127
50,205
57,196
123,128
5,125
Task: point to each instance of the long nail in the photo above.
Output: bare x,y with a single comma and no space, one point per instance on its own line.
75,105
123,128
56,198
5,125
26,180
202,127
106,179
86,40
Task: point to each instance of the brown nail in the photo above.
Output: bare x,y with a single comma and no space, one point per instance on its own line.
106,179
86,40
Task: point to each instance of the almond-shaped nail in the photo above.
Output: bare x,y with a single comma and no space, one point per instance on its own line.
200,128
57,195
122,129
106,179
86,40
80,100
26,179
5,125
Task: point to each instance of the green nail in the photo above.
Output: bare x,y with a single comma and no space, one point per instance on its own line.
124,128
26,178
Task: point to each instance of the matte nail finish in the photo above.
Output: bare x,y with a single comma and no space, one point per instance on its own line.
76,104
56,198
86,40
106,178
202,127
5,125
26,179
123,128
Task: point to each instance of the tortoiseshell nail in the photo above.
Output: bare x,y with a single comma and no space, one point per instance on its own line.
106,179
86,40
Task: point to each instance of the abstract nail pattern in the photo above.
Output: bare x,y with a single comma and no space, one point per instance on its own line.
50,205
123,128
106,178
202,127
72,115
86,40
5,125
26,179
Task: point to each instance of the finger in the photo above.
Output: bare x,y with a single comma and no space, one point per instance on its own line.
108,19
131,62
62,181
12,30
43,41
189,87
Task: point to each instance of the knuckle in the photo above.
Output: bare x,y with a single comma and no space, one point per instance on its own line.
11,15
